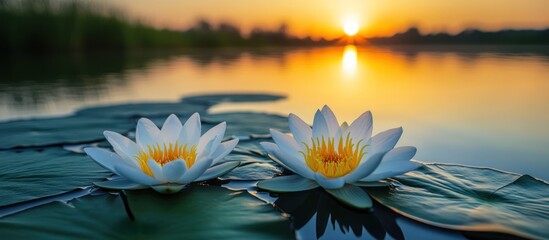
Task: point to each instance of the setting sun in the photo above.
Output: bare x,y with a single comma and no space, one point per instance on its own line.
350,27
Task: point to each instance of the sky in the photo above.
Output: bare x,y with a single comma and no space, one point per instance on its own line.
325,18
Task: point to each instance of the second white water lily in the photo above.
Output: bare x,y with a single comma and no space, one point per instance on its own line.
165,159
338,158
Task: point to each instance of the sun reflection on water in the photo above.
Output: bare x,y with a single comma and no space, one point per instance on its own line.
349,60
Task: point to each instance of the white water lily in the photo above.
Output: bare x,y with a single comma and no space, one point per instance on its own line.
165,159
338,158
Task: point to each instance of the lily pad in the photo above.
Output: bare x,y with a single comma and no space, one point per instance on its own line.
253,147
252,171
471,199
87,125
213,99
201,212
49,132
137,110
33,174
248,123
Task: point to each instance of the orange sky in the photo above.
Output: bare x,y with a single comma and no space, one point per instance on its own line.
325,17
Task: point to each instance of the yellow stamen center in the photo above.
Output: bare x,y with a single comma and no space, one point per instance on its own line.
165,154
331,161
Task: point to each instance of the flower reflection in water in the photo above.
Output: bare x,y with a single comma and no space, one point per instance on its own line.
349,60
316,213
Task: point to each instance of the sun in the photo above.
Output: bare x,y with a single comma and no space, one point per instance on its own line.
350,27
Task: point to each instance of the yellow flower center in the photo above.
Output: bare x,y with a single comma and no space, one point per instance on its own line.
331,161
165,154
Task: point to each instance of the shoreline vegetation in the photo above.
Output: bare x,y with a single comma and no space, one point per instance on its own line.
47,26
44,26
469,36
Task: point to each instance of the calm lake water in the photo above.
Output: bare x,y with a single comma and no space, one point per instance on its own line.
482,106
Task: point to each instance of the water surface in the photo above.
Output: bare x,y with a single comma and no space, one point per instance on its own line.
483,106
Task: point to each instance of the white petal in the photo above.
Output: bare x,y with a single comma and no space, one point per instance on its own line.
190,133
352,196
385,141
395,162
120,184
291,162
223,150
126,159
147,133
320,127
399,154
329,183
201,164
216,133
403,167
217,171
342,134
285,142
174,170
106,159
270,148
195,171
331,120
123,146
365,168
135,175
302,131
171,129
361,128
292,183
344,126
208,150
156,170
168,188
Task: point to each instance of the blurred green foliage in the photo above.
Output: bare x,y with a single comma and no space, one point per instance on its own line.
43,26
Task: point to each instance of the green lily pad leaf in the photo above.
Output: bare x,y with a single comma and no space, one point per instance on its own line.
32,174
87,125
218,170
200,212
471,199
119,183
137,110
213,99
59,131
248,123
252,171
372,184
291,183
352,195
252,146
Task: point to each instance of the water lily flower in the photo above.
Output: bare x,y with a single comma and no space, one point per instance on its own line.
165,159
339,158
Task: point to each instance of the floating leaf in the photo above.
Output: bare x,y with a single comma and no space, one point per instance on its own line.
87,125
352,195
290,183
200,212
58,131
253,147
213,99
136,110
471,199
33,174
248,123
252,171
119,183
